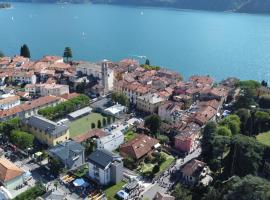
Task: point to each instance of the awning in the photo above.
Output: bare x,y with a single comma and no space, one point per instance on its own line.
122,194
78,182
39,153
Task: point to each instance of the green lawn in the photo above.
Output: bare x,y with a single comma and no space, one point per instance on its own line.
83,125
129,135
112,190
168,162
147,167
264,138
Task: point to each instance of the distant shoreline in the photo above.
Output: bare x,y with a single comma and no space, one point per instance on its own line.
5,5
154,5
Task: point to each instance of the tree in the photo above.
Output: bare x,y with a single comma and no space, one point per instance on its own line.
109,119
249,188
55,166
90,146
104,122
264,101
55,184
1,54
264,83
93,125
147,61
245,116
208,134
67,53
261,121
181,193
246,155
153,122
99,124
120,98
248,93
212,194
25,52
224,131
220,147
232,122
155,169
22,139
164,139
129,163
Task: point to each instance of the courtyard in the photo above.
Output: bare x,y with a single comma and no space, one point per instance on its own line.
84,124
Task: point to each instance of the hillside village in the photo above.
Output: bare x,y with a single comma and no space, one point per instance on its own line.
122,130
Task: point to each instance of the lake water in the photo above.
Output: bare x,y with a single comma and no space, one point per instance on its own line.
190,42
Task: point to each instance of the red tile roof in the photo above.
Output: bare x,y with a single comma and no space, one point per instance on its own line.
93,133
139,146
8,170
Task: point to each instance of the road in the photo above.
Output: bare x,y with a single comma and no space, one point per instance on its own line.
166,181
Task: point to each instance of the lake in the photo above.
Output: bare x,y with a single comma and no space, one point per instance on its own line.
190,42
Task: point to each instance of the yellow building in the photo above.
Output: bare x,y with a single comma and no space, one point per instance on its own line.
46,131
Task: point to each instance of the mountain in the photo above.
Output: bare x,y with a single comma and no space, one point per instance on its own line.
248,6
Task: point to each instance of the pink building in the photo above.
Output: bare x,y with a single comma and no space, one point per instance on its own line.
185,140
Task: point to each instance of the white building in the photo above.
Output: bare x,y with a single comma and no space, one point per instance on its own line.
47,89
115,110
24,77
110,142
105,167
9,102
11,176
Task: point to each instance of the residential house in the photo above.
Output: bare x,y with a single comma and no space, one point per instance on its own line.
69,153
111,141
202,80
21,77
47,131
170,111
138,147
218,93
29,108
9,102
149,103
195,172
11,176
203,115
185,140
132,90
47,89
105,167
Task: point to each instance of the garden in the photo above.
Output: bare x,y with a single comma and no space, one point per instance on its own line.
112,190
155,163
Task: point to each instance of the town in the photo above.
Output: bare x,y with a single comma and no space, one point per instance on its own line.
125,130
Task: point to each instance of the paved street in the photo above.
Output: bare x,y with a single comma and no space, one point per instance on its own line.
166,180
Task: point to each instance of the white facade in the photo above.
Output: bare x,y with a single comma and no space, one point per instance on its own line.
9,102
110,142
102,175
47,89
13,183
20,78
